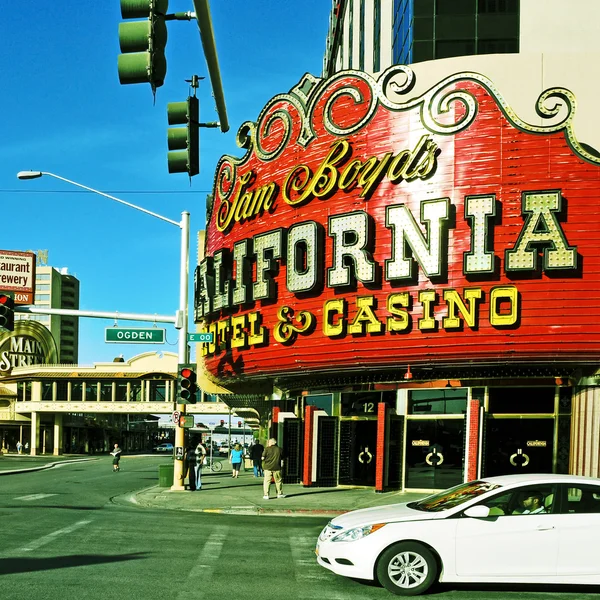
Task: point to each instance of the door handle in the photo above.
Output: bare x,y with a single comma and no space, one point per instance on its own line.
545,527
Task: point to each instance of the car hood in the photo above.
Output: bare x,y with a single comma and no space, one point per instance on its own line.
383,514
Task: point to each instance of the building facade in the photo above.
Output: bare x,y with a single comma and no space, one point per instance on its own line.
56,288
404,259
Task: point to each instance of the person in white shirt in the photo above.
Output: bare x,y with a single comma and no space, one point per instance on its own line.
533,503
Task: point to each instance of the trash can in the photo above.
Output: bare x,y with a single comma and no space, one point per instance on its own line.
165,475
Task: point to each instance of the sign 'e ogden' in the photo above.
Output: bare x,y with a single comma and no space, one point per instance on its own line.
362,230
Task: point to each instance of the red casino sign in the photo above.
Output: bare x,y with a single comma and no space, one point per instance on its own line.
366,229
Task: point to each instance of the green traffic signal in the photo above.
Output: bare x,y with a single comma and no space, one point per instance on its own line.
184,141
143,42
7,313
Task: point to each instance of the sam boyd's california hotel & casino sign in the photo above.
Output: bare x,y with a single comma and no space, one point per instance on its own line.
365,230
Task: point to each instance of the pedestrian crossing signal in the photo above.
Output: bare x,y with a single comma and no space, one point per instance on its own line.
187,387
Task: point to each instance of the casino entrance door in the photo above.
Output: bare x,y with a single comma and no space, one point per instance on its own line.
520,431
434,453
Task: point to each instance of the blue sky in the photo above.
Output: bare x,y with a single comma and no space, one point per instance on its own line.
64,111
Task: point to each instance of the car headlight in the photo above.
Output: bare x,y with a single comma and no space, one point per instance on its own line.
358,533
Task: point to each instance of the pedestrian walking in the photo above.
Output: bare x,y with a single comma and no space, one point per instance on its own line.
256,453
200,459
272,464
116,454
235,457
19,447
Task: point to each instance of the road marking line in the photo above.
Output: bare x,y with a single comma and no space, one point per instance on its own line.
35,544
35,497
202,571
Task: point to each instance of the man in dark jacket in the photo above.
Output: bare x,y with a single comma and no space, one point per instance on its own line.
256,453
272,463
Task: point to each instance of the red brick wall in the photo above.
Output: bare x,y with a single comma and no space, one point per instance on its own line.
309,423
380,460
472,440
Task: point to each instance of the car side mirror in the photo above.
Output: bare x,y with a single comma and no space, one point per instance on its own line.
477,512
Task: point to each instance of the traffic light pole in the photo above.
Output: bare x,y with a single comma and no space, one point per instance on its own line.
181,321
182,352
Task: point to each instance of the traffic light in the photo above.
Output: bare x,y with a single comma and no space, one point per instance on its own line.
187,386
222,423
7,313
143,42
185,140
239,423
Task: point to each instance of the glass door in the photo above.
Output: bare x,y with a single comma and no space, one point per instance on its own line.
434,453
519,445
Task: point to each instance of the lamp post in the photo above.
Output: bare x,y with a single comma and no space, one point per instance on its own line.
182,312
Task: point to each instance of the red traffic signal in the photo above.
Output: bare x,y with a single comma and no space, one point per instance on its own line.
187,387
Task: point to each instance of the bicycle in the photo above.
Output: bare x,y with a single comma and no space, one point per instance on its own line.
214,466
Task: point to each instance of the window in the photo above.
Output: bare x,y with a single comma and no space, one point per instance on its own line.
533,499
320,401
106,391
361,41
521,400
581,499
158,391
24,390
47,391
62,391
42,287
77,388
121,391
136,391
364,404
444,401
376,35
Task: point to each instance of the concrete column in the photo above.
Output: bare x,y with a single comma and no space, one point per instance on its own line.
382,445
58,434
35,433
585,432
472,441
307,479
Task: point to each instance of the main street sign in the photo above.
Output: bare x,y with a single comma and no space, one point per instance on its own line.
134,335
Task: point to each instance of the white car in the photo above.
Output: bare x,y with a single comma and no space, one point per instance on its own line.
532,528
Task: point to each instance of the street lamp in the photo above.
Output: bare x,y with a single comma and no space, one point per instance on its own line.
182,313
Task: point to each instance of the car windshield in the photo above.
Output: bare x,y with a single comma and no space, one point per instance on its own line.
454,496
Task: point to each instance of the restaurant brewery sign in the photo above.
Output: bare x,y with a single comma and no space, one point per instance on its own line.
366,229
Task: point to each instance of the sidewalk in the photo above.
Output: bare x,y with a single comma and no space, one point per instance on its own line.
221,493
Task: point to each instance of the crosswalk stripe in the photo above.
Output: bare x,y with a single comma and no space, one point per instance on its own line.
46,539
196,584
34,497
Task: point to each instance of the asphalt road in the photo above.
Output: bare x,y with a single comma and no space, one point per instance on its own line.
63,536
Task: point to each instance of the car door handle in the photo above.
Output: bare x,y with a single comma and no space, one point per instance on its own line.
544,527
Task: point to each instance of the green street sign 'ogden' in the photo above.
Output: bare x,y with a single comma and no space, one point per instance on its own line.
136,335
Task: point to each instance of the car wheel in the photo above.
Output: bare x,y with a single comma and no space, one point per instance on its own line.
407,569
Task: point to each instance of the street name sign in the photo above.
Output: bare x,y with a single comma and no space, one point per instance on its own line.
200,337
134,335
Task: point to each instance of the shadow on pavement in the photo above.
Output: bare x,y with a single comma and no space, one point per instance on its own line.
27,565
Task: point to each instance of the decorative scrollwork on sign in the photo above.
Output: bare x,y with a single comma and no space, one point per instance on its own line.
285,331
356,90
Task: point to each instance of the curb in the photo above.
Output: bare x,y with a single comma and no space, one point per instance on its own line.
258,511
42,467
